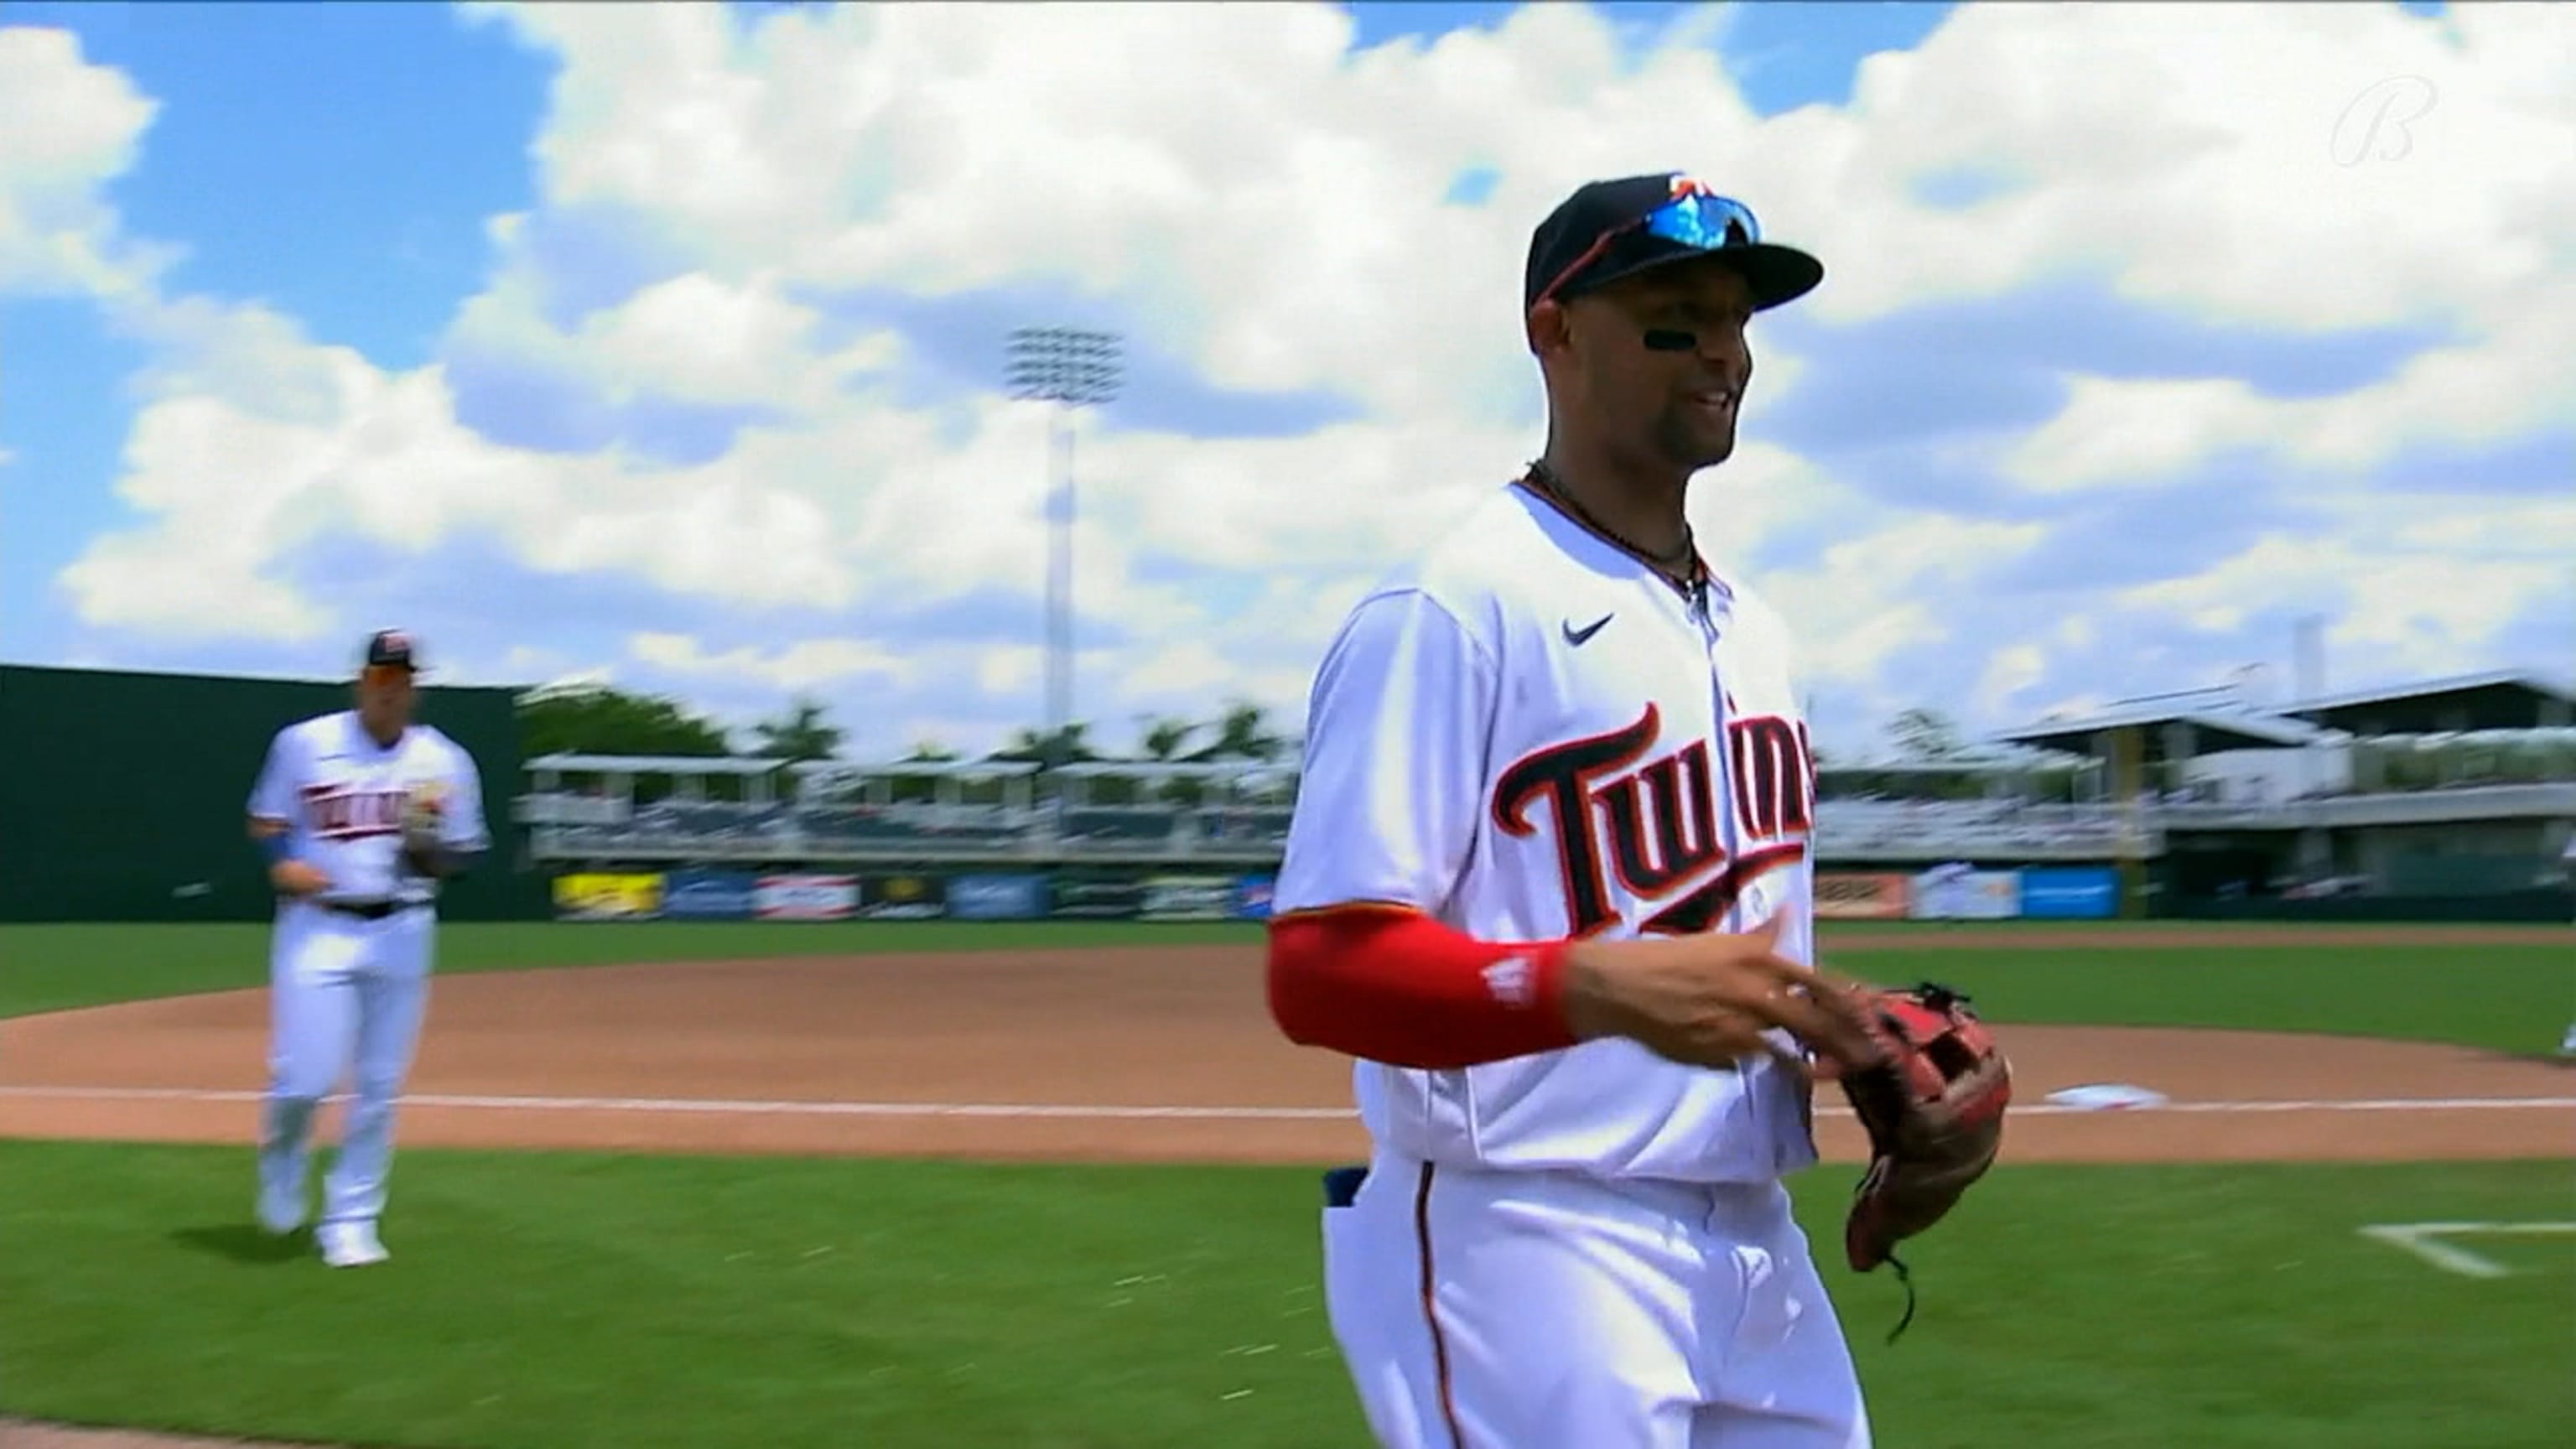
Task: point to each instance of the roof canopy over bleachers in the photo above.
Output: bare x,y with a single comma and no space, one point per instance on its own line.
2203,721
1974,762
1170,769
2499,700
2172,727
655,764
912,769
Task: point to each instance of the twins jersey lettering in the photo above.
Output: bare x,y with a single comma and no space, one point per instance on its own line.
341,795
1526,736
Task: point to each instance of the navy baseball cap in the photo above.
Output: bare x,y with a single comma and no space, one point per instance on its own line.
1617,228
391,649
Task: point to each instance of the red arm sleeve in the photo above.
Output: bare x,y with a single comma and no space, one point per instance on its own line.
1395,986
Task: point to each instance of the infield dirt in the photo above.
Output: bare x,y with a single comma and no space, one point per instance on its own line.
1153,1054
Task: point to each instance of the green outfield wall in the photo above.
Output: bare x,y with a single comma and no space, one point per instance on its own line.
125,796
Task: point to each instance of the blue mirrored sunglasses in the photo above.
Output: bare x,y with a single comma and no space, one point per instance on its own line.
1694,218
1704,220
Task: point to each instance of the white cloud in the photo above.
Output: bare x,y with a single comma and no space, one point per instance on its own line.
2197,153
544,668
1886,585
2410,611
72,127
2014,669
260,442
1272,211
702,340
692,338
797,666
1008,669
2512,380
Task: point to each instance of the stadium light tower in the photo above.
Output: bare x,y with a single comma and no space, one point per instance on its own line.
1069,368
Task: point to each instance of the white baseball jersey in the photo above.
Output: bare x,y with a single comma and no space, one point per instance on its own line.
1528,734
341,795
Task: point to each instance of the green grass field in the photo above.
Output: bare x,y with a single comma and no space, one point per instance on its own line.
549,1300
2506,997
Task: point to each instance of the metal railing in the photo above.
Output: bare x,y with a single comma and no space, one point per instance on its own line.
1846,830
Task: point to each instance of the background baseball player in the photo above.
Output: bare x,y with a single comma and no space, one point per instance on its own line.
362,813
1548,882
2567,855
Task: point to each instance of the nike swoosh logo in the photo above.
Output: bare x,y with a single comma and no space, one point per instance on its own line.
1580,636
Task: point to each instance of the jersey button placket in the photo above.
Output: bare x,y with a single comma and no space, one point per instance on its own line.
1724,767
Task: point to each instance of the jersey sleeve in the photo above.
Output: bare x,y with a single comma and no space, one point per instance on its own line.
272,793
464,825
1391,789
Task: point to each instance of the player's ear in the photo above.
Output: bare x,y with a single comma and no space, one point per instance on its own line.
1545,328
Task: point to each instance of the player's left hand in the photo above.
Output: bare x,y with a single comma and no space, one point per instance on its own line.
424,806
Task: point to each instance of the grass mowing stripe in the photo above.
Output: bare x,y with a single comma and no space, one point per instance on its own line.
2510,998
542,1301
800,1107
61,967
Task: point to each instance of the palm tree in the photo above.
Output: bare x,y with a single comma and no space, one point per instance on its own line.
800,734
1242,733
1037,746
1164,737
1925,734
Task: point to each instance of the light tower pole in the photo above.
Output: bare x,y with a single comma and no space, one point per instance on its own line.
1070,368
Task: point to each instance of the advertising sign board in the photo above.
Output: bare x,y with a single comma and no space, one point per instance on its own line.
695,893
1188,898
1860,896
993,897
1095,898
2070,892
608,896
806,897
1977,895
902,897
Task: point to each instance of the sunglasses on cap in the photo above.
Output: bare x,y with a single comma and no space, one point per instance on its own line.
1695,217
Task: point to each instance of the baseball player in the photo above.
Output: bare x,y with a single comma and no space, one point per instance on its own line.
2567,1043
361,813
1547,881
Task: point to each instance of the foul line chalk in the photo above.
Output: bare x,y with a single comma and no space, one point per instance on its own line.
742,1107
2424,1241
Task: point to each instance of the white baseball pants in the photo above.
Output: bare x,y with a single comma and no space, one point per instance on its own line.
1517,1310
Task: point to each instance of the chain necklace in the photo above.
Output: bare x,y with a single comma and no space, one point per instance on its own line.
1680,564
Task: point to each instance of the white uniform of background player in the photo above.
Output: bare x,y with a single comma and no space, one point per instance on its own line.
350,955
1528,734
2567,1043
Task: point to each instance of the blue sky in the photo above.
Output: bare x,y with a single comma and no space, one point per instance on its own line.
627,343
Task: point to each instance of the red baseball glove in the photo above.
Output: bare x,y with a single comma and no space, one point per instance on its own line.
1933,1106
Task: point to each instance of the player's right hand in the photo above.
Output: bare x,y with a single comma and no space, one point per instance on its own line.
297,878
1706,1000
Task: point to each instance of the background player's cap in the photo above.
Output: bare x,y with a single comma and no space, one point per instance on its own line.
391,649
1612,229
